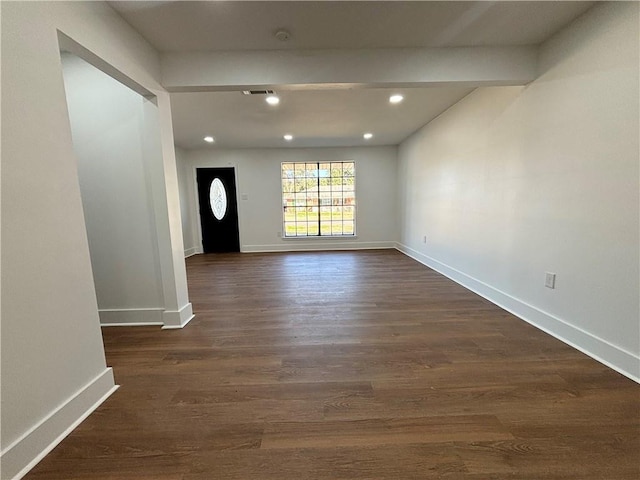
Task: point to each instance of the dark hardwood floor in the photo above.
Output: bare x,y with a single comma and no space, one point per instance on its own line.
349,365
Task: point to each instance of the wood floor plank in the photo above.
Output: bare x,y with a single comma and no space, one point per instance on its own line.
410,462
349,366
280,392
386,431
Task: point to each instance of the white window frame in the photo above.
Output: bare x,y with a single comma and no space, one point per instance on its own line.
319,235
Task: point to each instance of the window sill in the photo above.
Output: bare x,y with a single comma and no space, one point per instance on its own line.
333,237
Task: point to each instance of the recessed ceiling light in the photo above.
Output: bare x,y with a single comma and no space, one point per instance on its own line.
209,139
397,98
368,136
288,137
272,100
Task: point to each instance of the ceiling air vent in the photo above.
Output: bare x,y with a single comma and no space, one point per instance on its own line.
257,92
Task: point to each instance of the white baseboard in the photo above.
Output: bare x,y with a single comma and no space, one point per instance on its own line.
190,252
24,453
177,319
306,245
597,348
130,317
141,317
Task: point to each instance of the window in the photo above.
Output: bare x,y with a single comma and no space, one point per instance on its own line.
319,199
218,199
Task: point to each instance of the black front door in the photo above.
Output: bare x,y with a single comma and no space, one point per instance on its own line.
218,209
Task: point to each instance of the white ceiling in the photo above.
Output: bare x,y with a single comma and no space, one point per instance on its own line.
177,26
335,117
316,118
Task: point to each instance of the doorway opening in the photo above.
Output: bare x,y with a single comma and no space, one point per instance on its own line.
116,140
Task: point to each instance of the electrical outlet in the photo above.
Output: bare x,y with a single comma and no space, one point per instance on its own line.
550,280
424,239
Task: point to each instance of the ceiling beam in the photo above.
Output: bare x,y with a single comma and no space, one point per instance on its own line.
462,66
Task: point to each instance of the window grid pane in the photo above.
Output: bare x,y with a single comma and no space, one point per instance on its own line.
318,199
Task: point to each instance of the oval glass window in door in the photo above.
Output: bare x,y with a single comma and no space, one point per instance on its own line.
218,199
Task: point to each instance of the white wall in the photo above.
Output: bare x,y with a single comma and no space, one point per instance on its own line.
513,182
186,202
258,177
107,122
53,364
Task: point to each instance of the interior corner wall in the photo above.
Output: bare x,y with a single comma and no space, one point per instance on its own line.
258,176
107,119
514,182
53,364
186,202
